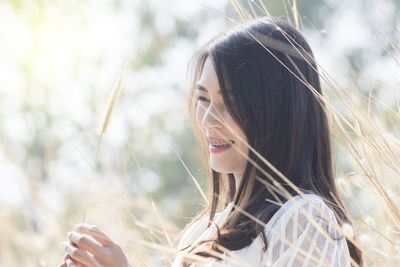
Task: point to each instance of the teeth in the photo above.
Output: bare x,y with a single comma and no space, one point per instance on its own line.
221,143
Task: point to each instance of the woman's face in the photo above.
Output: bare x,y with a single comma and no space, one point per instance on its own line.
222,132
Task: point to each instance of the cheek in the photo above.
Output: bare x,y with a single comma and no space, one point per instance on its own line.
199,115
236,130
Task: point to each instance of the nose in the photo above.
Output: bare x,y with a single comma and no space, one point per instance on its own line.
212,118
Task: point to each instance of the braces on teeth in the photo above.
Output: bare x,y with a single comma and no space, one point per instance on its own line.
229,143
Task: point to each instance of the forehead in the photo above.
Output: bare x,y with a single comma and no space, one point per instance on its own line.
208,80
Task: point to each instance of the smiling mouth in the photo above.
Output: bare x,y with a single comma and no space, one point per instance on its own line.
221,143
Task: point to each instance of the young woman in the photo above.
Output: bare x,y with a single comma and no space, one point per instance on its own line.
257,107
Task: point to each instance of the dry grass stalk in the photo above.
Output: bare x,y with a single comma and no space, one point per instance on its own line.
188,171
111,103
295,14
113,99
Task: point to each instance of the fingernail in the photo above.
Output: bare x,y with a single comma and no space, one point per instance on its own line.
69,234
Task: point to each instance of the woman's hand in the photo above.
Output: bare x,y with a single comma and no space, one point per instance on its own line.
103,253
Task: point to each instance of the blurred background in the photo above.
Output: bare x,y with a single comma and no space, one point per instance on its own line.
59,61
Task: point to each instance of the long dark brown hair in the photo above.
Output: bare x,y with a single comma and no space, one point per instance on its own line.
270,85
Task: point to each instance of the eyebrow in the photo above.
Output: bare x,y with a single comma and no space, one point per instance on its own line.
202,88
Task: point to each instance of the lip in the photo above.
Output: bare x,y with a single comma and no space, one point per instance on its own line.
214,149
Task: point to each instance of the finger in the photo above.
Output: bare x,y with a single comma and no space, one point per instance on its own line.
73,263
70,263
77,255
95,232
67,256
85,243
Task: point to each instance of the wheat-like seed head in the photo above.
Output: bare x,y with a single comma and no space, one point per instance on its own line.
111,102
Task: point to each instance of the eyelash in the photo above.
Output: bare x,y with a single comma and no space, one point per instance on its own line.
202,98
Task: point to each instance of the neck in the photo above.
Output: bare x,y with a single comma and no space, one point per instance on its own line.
238,179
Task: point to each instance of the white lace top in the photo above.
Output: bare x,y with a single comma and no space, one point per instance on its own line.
293,239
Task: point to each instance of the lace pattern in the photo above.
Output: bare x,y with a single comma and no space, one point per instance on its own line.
301,233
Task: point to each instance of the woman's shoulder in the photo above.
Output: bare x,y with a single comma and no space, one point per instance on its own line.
303,208
192,232
305,223
199,226
292,225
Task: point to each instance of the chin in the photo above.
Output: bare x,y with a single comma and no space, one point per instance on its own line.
217,168
221,169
